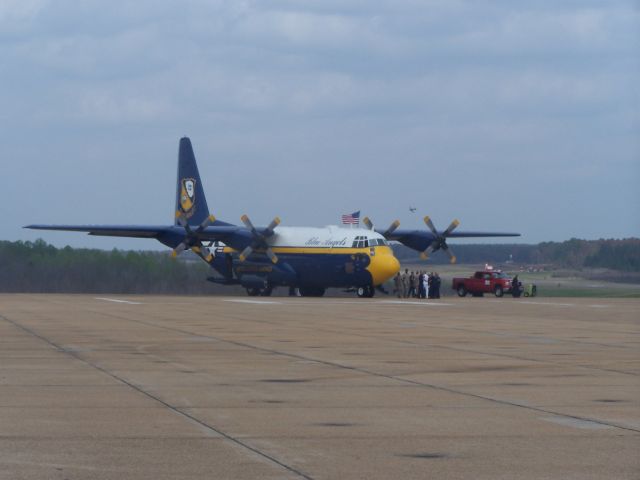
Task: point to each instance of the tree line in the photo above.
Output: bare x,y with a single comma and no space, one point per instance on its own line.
40,267
622,255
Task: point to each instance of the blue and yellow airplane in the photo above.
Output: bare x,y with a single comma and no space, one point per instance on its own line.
261,258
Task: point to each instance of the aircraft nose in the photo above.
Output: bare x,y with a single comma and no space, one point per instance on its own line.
383,266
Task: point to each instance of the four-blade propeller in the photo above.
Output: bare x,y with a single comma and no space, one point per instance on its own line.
192,238
440,240
259,241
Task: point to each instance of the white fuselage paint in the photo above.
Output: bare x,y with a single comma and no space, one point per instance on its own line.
329,237
320,237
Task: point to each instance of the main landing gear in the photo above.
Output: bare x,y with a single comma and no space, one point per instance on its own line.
366,292
259,292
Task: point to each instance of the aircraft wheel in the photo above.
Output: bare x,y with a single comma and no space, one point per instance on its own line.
253,292
366,292
266,292
462,292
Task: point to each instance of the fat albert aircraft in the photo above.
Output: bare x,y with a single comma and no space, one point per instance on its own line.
261,258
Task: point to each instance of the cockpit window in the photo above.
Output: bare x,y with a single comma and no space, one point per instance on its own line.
360,242
364,242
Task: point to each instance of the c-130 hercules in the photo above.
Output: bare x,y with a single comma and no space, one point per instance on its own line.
260,258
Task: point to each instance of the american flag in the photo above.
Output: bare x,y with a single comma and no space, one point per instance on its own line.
351,218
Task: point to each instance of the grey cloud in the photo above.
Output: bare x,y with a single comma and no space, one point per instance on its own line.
342,105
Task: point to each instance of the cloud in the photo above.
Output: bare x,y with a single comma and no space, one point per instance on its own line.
395,100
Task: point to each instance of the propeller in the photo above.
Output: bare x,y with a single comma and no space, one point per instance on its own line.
192,239
395,224
440,240
259,239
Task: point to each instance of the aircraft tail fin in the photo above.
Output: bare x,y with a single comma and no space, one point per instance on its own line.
190,199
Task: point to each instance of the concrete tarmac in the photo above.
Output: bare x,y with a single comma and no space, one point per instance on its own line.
133,387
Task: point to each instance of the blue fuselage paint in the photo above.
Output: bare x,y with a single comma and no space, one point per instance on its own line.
301,269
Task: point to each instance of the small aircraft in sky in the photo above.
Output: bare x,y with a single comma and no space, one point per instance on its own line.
310,259
412,209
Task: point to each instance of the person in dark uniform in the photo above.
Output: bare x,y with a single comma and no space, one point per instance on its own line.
515,287
412,285
437,285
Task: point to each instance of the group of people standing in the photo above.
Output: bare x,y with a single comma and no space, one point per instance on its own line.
417,284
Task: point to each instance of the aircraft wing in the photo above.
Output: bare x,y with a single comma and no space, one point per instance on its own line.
481,234
139,231
169,235
421,239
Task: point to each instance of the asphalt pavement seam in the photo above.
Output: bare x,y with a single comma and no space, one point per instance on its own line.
377,374
139,389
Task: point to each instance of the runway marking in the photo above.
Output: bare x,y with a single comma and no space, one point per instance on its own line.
115,300
553,304
562,304
259,302
409,302
363,302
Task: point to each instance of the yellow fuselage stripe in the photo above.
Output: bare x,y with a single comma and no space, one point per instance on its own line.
314,250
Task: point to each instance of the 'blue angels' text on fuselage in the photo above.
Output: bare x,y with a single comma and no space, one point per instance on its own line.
261,258
316,242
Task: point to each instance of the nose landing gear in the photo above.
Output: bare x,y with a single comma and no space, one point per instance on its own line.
366,292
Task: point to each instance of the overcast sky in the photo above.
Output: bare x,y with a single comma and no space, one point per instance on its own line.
516,116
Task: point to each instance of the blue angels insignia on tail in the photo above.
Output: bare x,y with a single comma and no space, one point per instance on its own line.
190,199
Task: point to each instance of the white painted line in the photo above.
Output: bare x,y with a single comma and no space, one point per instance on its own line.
548,303
408,302
303,301
117,301
259,302
599,306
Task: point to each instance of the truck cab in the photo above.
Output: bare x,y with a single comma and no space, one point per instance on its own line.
483,281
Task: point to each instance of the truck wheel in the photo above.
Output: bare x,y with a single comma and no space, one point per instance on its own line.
498,291
462,292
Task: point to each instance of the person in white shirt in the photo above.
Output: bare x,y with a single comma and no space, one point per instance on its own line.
425,284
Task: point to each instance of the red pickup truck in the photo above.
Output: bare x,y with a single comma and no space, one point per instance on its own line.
485,281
